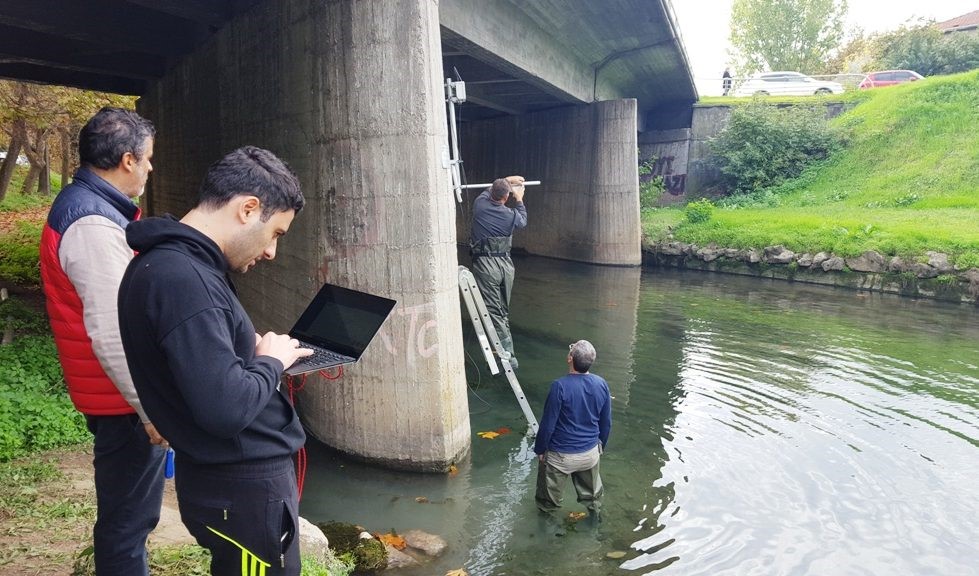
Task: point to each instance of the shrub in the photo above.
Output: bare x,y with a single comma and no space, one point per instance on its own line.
764,145
699,211
20,253
650,185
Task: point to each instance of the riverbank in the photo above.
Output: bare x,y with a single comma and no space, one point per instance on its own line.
47,510
932,276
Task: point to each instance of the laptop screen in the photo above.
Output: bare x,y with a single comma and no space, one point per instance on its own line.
342,320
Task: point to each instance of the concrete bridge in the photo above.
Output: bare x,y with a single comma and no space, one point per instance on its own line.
350,93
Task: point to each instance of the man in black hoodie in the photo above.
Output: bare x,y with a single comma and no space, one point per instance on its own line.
205,378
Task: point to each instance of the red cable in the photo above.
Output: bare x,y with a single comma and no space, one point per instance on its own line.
301,460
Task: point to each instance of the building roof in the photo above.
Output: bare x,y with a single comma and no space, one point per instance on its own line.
964,22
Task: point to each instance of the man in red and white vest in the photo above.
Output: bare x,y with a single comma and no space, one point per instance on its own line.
83,257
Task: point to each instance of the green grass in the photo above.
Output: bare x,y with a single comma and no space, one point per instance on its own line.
906,182
14,201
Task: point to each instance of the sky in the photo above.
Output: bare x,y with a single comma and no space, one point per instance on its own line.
704,28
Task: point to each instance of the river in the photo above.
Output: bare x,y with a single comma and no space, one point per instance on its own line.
759,427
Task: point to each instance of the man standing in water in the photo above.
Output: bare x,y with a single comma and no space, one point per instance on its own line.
490,241
573,432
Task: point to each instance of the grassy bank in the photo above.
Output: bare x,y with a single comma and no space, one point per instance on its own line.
906,182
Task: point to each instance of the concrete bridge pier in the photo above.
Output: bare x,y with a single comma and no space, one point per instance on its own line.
350,95
587,208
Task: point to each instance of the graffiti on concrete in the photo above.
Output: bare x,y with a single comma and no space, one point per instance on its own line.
675,184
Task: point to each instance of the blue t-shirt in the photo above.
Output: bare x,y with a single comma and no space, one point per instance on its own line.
577,415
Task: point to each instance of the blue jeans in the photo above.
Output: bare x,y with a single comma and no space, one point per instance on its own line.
129,493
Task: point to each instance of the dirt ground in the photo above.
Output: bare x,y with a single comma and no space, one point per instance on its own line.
47,544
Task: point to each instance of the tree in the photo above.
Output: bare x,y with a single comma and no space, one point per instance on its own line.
785,34
921,47
32,115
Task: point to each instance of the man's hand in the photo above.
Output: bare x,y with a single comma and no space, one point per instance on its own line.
516,187
282,347
155,437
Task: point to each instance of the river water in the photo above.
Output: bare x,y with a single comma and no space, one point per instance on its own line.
759,427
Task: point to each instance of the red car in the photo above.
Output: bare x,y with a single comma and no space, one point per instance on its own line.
889,78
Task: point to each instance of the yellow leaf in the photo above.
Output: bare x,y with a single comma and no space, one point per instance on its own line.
488,435
575,516
453,470
457,572
392,539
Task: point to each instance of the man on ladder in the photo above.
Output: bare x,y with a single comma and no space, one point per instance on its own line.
489,244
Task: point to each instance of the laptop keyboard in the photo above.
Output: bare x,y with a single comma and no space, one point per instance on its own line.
321,356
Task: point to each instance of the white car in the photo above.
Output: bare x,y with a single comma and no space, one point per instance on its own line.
21,160
786,84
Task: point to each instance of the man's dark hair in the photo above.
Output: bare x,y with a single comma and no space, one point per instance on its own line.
112,132
499,189
255,172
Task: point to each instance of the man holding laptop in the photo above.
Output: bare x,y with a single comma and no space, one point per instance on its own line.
205,378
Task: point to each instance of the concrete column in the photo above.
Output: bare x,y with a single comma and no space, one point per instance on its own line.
349,94
587,158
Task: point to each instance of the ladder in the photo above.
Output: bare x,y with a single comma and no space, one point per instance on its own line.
487,337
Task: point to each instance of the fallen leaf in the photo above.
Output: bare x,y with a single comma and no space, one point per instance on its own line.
502,430
392,539
421,499
615,555
457,572
575,516
487,435
453,470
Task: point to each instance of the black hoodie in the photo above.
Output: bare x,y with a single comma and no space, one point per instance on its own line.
191,349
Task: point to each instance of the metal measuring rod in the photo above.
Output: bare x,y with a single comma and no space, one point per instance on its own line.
526,183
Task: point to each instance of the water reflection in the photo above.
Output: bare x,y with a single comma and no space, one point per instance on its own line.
758,428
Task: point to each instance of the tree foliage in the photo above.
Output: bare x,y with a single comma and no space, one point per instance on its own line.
926,50
785,34
33,116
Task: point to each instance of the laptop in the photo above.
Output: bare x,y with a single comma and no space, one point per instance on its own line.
338,325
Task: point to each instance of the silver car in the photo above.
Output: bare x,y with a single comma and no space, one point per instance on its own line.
786,84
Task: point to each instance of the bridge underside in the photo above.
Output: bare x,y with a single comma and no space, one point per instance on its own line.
350,93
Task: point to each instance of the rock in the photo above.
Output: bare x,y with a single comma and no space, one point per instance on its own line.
778,255
312,541
819,258
972,275
897,265
398,559
430,544
834,263
939,262
709,253
869,261
805,260
732,253
753,256
690,250
670,248
923,270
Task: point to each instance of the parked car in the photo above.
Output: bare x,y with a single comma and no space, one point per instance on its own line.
21,160
889,78
786,84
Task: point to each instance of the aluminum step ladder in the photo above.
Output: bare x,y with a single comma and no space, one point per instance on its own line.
489,341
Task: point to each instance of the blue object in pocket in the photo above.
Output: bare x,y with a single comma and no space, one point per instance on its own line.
168,467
